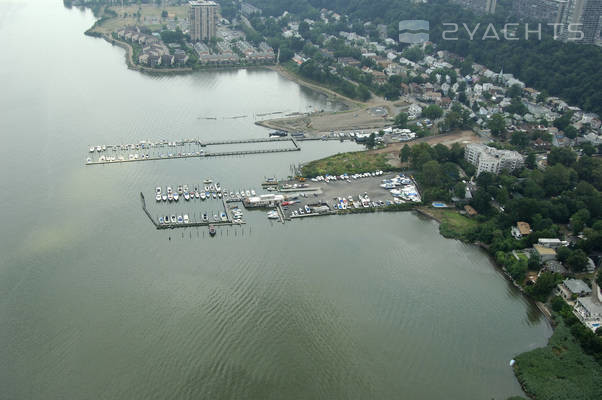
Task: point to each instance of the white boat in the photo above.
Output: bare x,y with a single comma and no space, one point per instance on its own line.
173,219
158,197
205,218
208,180
170,196
186,219
215,217
92,149
224,217
176,196
186,196
180,219
185,188
219,194
197,194
203,196
253,193
169,189
158,190
248,193
161,220
164,197
88,160
214,195
180,190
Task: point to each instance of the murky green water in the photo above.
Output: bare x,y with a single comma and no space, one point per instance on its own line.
96,304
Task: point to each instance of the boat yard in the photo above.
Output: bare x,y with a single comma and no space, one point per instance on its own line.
208,204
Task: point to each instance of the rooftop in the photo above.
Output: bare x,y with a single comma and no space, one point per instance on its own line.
544,250
577,286
523,227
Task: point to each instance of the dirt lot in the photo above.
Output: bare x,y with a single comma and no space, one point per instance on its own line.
365,118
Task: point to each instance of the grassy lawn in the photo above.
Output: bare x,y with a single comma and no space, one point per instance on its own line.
128,16
350,163
453,224
561,370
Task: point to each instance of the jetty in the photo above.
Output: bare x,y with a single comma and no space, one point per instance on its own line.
185,148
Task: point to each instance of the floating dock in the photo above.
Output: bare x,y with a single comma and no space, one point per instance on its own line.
191,224
141,152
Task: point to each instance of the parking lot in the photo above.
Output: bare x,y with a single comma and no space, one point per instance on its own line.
331,193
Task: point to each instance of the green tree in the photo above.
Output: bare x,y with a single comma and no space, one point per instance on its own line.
401,120
432,111
497,125
431,173
530,161
404,153
579,219
514,91
577,261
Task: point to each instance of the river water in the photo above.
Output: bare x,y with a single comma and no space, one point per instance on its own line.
97,304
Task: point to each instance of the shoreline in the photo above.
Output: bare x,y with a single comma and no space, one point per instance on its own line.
282,71
541,306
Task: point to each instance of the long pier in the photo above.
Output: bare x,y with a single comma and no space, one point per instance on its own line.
140,156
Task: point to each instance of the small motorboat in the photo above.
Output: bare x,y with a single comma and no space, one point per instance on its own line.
180,219
158,190
253,193
176,196
205,218
203,196
208,180
161,220
223,217
166,219
197,194
215,217
186,219
180,190
173,219
214,195
164,197
158,197
169,190
170,196
212,230
219,194
248,193
186,196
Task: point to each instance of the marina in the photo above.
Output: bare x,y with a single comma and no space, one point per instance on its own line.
327,195
185,148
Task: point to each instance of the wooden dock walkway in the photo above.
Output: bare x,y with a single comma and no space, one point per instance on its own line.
192,224
200,154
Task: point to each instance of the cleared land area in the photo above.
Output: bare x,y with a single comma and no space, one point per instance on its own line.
365,118
128,15
350,163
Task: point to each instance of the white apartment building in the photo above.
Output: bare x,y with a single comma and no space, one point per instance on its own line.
490,159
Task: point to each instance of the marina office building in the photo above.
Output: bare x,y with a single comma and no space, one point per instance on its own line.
202,17
490,159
